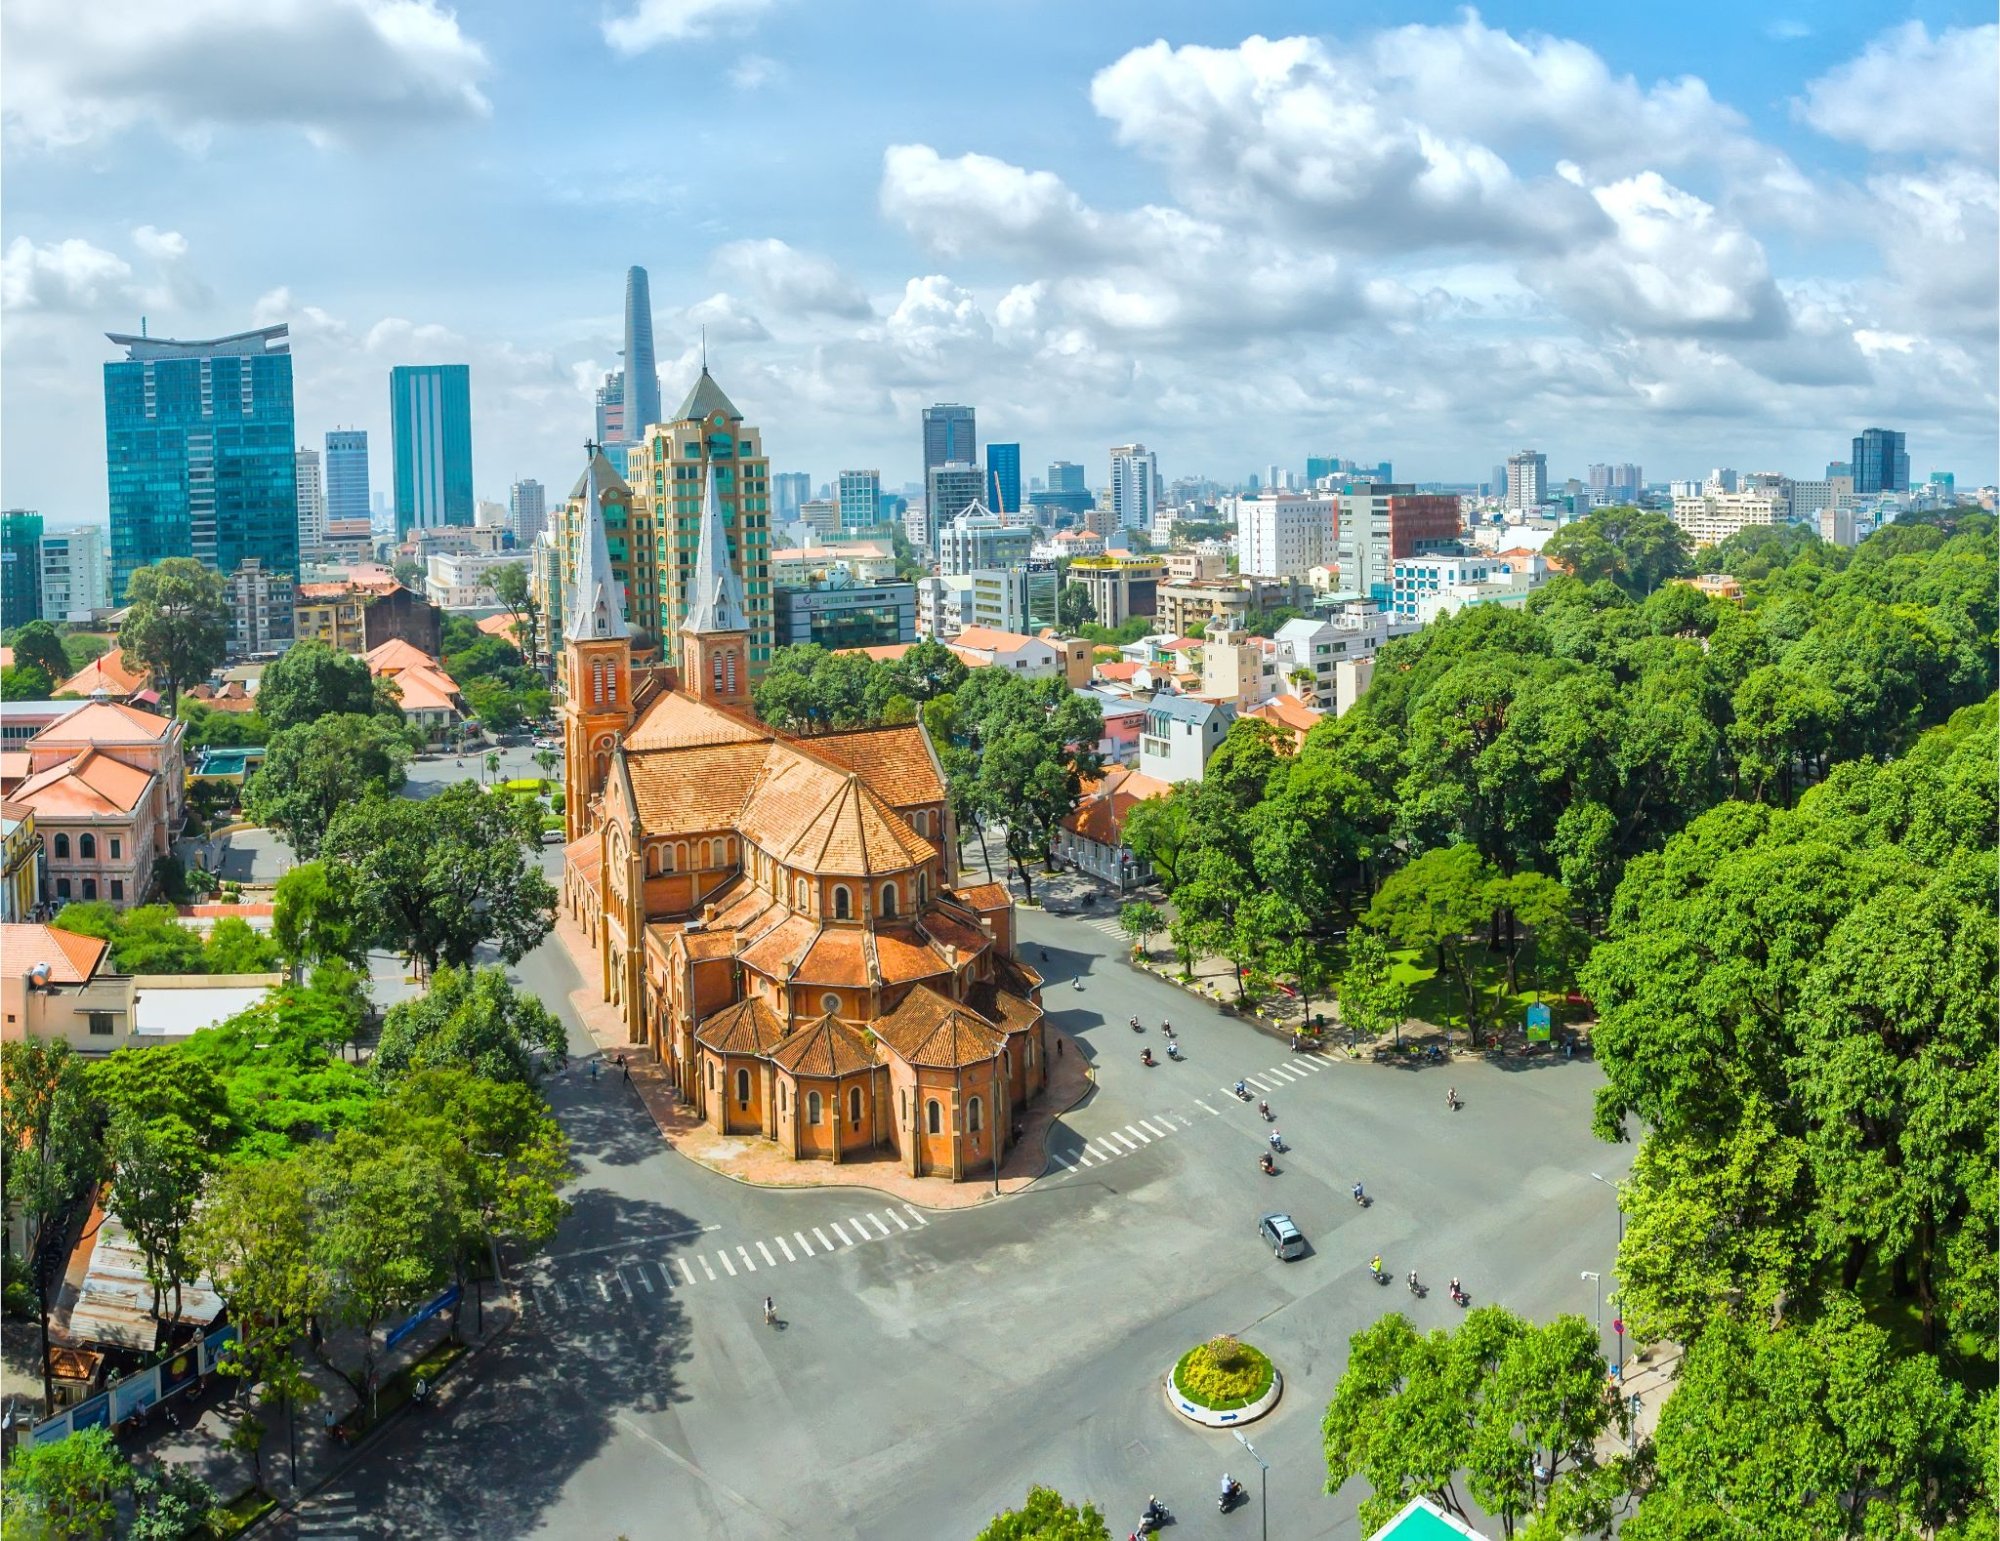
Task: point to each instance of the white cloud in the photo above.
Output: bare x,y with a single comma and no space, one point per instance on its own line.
652,22
753,72
803,283
70,275
1940,233
333,69
1911,93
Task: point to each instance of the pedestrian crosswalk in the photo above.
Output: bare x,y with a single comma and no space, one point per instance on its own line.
329,1516
554,1290
1108,924
1115,1144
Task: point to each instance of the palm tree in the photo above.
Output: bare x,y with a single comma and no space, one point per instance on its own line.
493,764
547,760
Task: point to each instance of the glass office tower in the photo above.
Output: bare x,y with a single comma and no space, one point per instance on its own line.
1003,478
199,452
430,416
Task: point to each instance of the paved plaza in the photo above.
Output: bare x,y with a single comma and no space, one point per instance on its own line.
928,1365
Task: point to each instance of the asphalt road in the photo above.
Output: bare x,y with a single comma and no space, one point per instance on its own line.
929,1367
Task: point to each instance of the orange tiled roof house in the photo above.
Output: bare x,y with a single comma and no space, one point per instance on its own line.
776,918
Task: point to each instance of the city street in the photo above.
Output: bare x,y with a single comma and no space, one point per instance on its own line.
928,1367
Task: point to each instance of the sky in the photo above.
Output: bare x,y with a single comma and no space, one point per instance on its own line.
1686,235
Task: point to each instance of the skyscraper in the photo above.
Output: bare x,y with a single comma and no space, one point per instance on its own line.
73,573
1135,479
1616,483
950,435
611,409
860,499
642,373
20,567
312,505
430,414
347,474
527,510
951,489
1527,479
199,444
789,491
1003,478
1066,476
1881,463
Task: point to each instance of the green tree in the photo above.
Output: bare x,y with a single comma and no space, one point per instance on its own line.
1140,921
279,1066
1437,904
210,728
234,948
1636,548
473,1018
176,622
46,1125
37,645
25,682
1158,833
1074,609
1047,1516
1530,903
158,1171
67,1490
1372,1001
148,1085
513,589
312,771
440,878
314,916
311,680
1513,1410
172,1502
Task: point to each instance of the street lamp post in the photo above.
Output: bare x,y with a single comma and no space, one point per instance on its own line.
1263,1484
1596,1305
1618,1322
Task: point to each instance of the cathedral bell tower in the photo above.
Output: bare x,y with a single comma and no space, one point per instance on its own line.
715,637
597,660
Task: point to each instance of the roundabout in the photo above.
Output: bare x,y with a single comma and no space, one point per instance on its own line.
1223,1383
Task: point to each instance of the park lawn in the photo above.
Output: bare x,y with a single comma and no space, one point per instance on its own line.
1436,998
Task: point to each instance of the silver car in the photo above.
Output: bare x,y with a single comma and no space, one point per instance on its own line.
1286,1240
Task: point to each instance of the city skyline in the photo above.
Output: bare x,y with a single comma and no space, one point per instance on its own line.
1631,245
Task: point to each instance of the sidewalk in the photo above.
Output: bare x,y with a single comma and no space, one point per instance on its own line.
759,1162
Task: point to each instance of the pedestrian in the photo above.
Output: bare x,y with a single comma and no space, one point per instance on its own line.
770,1311
623,1068
593,1069
1059,1048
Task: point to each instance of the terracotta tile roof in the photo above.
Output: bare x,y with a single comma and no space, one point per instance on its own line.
902,957
72,959
677,721
777,952
115,674
986,897
1288,712
105,722
888,652
232,697
422,689
815,817
838,956
933,1030
91,785
396,653
828,1047
13,766
748,1027
1101,819
1139,784
990,639
695,790
896,761
502,626
1013,975
585,856
1004,1009
6,658
1119,673
948,930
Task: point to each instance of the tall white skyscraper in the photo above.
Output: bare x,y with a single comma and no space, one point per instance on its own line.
1135,486
1527,479
75,576
527,510
312,507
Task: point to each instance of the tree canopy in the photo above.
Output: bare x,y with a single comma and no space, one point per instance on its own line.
472,1018
311,680
177,623
1637,549
313,770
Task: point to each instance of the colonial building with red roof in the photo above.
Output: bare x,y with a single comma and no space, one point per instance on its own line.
778,919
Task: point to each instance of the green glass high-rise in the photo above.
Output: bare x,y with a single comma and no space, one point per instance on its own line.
430,418
199,447
20,567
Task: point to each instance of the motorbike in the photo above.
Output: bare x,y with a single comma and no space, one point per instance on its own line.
1151,1518
1459,1298
1136,1026
1173,1051
1242,1092
1416,1288
1146,1057
1264,1111
1277,1140
1379,1276
1267,1165
1435,1055
1361,1198
1230,1497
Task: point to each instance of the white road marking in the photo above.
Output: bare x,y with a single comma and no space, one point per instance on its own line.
1088,1158
1253,1081
1144,1139
822,1237
723,1258
1206,1108
845,1239
687,1272
1066,1162
748,1262
790,1256
772,1261
900,1221
916,1214
1115,1135
861,1230
1162,1133
800,1238
706,1269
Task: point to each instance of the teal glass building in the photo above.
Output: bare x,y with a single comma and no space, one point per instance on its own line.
198,441
430,417
1003,478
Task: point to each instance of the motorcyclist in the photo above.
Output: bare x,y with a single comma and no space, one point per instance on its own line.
1266,1162
1359,1196
1145,1056
1457,1289
1264,1108
1242,1089
1228,1486
1375,1264
1277,1140
1412,1281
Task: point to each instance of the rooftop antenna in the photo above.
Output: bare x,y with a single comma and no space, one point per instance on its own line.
704,350
142,326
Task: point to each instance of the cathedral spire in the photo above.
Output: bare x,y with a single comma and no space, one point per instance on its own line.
596,609
716,594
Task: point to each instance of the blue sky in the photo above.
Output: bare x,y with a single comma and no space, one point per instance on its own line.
1686,235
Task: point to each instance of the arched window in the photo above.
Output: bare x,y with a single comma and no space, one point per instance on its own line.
829,1002
889,899
799,894
812,1108
934,1116
743,1087
923,888
843,903
972,1115
680,855
854,1106
62,847
86,847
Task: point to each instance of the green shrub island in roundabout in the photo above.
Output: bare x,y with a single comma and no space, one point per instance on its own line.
1223,1382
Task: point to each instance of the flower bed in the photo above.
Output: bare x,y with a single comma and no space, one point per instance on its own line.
1223,1375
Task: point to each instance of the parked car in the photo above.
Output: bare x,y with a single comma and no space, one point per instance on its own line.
1285,1239
552,837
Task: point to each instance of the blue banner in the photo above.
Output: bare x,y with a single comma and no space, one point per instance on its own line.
403,1329
48,1433
88,1415
134,1394
212,1348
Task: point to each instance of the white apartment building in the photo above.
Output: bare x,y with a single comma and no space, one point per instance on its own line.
979,539
1284,534
312,506
1135,487
868,563
1181,732
1527,479
527,510
1715,516
1019,598
1416,577
821,514
75,577
1320,644
462,580
944,607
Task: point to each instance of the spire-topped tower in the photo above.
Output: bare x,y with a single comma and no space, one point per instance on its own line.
715,637
597,657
